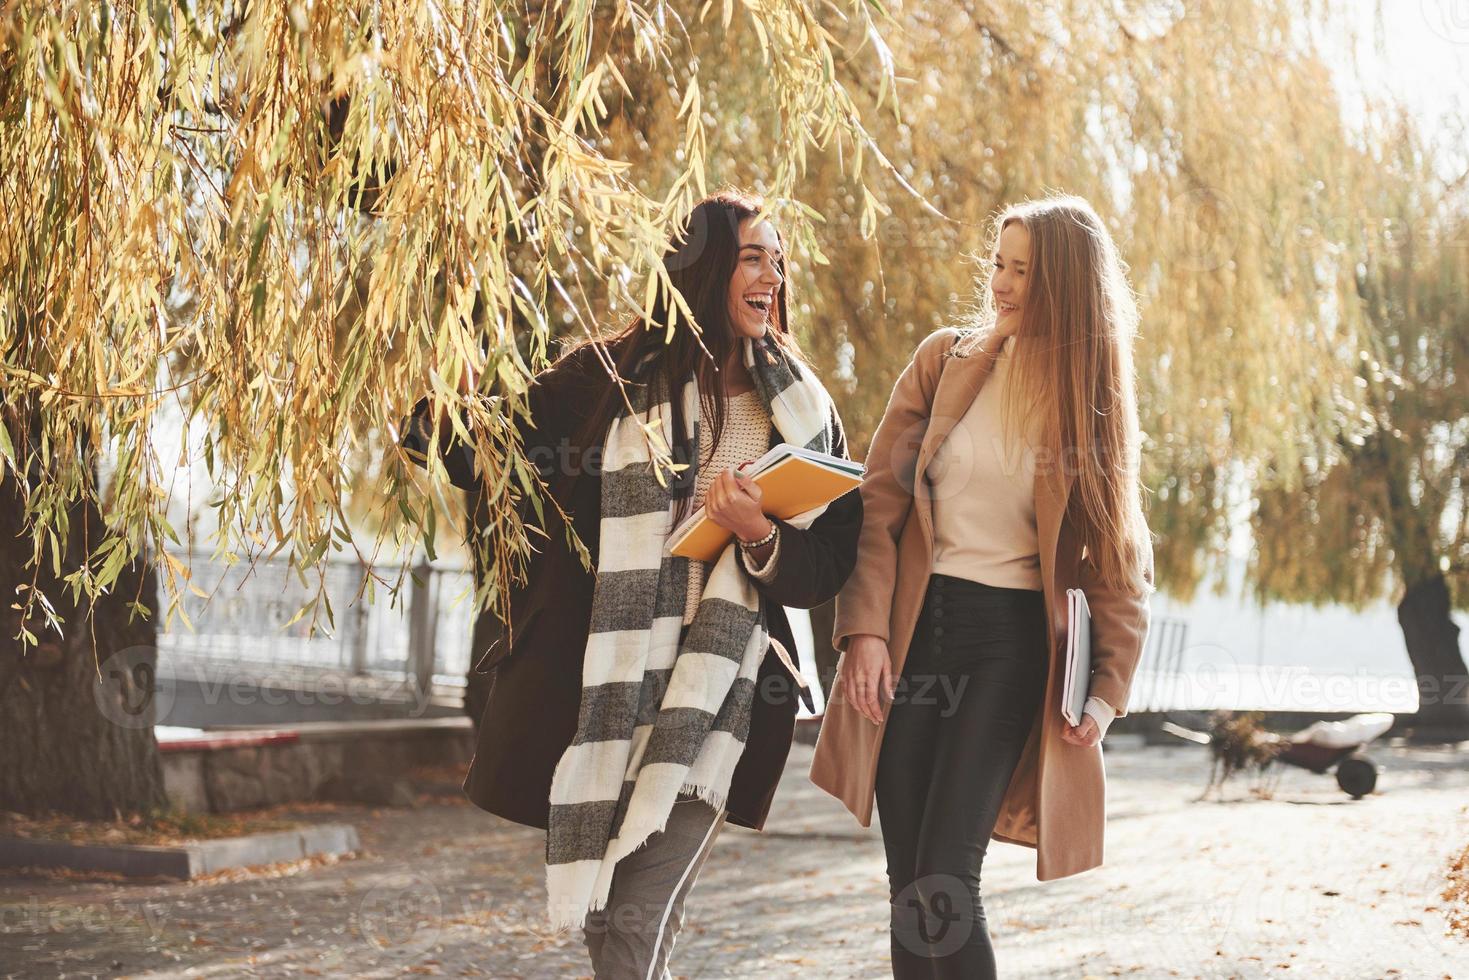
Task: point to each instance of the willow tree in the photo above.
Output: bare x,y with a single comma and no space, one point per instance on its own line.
289,220
1291,263
1167,117
1301,277
1385,513
1210,137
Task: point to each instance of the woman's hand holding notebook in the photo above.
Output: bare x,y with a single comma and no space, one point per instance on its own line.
792,481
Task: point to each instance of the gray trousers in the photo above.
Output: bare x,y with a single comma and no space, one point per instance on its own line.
632,937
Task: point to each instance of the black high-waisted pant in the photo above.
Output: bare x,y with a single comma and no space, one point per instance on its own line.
972,683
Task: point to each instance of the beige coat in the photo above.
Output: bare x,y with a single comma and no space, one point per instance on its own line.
1056,799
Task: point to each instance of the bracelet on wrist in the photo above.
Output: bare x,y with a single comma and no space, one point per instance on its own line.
769,537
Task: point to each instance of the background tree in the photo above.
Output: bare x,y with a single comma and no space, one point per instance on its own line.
1233,203
288,221
1290,263
1384,514
88,685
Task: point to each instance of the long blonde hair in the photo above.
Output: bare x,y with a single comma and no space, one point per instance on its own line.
1071,373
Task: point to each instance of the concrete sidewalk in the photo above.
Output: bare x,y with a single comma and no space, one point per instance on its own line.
1310,882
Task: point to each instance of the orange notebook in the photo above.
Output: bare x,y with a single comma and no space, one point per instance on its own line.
792,481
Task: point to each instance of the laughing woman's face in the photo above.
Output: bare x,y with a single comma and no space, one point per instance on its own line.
1011,274
756,281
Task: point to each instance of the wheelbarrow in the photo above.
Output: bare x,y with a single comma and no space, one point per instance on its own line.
1319,747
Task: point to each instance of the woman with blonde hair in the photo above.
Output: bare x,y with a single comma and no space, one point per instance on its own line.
1004,472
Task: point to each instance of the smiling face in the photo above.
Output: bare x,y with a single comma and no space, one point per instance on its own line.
755,286
1012,270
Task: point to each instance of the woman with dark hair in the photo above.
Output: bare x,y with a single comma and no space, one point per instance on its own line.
638,707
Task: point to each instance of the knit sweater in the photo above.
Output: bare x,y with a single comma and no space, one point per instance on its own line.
983,486
745,438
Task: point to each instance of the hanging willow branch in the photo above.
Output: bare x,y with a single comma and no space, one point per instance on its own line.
286,221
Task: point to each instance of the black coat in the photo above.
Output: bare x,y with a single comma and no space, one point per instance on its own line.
531,713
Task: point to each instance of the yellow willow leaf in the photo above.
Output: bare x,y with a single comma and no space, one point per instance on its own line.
690,100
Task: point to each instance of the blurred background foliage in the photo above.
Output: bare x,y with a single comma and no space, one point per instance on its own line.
285,222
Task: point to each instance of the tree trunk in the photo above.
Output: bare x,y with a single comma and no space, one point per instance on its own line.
1429,632
1432,639
76,712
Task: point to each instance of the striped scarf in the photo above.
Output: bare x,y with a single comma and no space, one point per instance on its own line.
659,718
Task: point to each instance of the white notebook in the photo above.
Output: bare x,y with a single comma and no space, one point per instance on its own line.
1078,656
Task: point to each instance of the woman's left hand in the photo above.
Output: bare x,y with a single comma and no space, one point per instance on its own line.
1084,734
733,502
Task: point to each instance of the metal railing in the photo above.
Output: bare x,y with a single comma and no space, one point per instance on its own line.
420,643
245,624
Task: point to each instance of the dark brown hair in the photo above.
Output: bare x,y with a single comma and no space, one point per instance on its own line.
700,261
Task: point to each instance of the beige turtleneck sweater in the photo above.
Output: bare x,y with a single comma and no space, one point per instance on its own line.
983,484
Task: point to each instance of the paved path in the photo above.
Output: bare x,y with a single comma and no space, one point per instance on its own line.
1308,883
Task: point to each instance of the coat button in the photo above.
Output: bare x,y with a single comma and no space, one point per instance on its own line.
938,612
938,632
